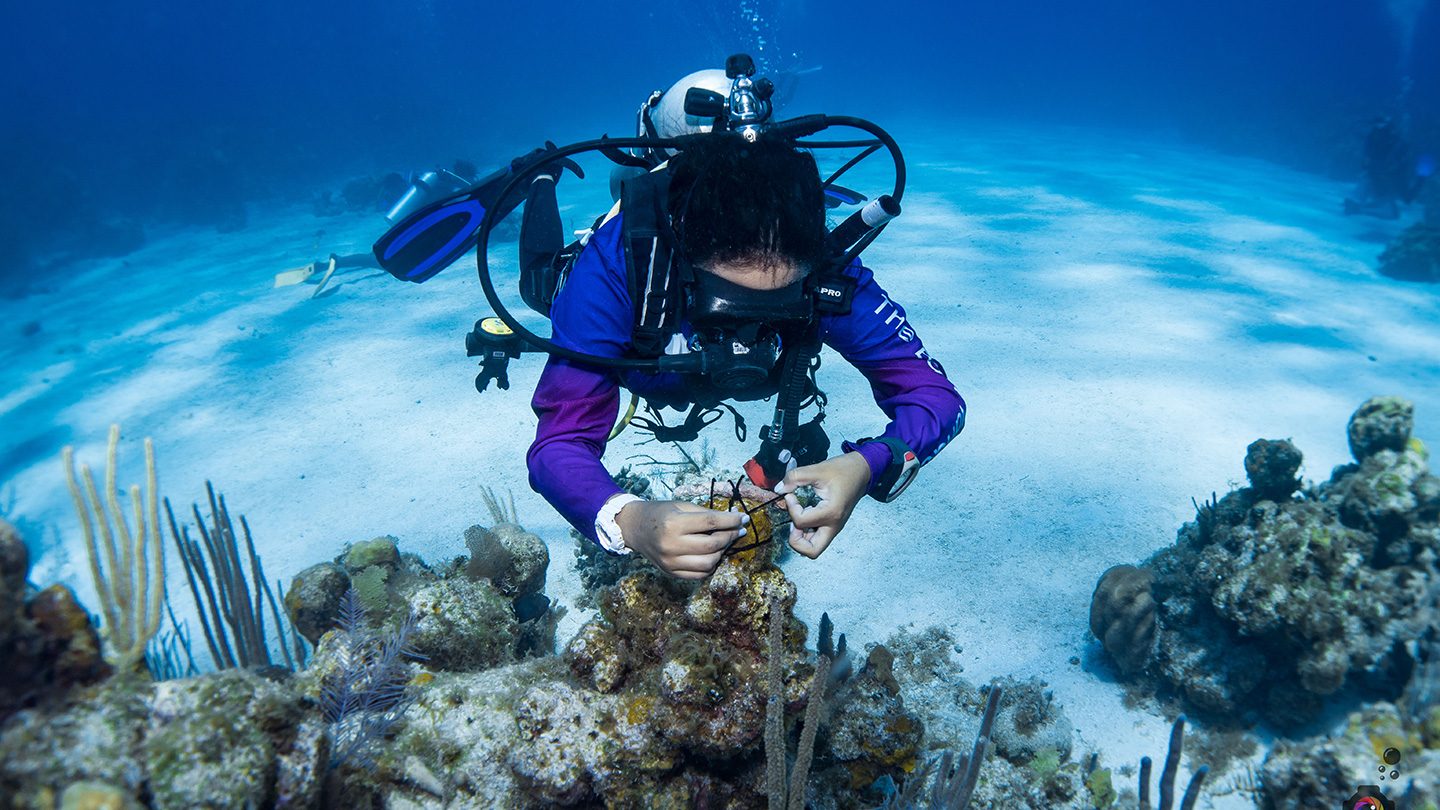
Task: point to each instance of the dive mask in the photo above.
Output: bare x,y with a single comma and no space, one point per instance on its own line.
739,330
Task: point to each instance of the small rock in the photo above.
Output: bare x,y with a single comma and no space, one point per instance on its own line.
513,559
68,636
1381,423
379,551
1271,466
313,600
1122,616
463,625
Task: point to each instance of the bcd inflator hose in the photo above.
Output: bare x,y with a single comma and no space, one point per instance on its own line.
877,212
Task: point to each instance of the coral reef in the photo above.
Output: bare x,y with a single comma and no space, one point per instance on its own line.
127,563
234,597
437,686
1033,769
239,737
47,641
1315,772
229,739
1272,599
657,702
690,663
470,613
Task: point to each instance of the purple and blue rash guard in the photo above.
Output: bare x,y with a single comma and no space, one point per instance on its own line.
578,403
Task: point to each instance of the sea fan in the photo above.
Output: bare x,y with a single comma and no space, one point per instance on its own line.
364,695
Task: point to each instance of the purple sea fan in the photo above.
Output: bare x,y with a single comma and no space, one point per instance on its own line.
364,695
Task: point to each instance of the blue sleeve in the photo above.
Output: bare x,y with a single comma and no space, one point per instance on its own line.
576,403
910,386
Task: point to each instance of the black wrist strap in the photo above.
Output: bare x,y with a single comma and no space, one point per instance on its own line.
898,474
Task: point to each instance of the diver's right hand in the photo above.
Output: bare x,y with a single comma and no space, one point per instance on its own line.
685,540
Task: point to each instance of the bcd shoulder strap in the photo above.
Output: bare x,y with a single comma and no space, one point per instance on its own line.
654,290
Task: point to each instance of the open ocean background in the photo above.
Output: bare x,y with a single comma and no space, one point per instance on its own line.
169,112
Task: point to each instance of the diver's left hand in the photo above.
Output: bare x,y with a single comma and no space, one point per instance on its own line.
840,483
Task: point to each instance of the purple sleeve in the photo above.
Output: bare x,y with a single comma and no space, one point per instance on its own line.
909,385
577,403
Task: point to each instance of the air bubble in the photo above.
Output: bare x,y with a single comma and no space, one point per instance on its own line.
1391,756
1394,774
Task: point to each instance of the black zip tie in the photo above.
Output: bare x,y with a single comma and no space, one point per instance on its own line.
733,549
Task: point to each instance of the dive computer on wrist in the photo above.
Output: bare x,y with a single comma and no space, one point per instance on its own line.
897,475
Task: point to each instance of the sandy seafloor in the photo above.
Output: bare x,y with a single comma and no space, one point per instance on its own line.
1123,318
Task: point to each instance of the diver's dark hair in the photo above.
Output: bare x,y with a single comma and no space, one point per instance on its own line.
732,200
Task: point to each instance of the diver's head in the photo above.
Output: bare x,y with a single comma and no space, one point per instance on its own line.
751,213
730,99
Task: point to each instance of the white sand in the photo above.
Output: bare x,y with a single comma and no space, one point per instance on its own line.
1123,318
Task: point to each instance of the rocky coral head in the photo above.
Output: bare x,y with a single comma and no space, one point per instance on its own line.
1381,423
313,600
1271,465
513,559
1122,616
383,551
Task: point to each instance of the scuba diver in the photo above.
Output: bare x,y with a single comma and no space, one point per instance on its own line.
1391,174
713,278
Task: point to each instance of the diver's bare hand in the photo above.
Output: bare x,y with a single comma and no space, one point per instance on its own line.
683,539
839,483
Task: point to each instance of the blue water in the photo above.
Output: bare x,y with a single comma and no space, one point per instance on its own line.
166,112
